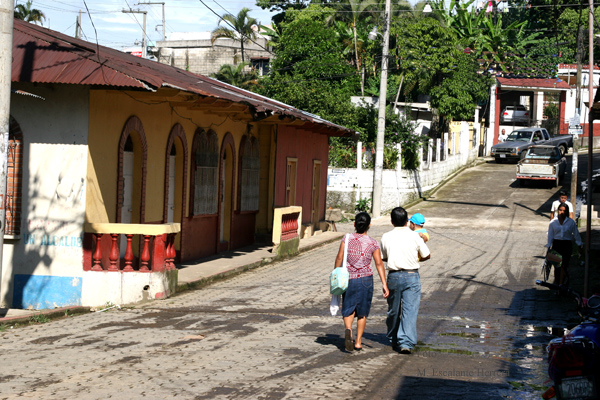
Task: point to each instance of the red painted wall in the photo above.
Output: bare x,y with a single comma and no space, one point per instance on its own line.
200,238
497,117
586,129
306,146
243,227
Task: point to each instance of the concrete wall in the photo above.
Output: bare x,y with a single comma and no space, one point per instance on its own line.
202,57
346,185
42,268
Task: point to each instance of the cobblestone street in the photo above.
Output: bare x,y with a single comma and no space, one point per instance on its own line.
268,334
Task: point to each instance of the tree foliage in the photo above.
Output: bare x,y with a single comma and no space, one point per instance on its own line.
236,76
236,27
24,12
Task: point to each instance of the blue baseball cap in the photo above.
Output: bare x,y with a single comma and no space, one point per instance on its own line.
417,219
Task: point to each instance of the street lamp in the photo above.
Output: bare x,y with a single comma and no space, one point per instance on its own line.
378,170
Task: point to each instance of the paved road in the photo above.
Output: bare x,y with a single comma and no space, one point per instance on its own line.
267,334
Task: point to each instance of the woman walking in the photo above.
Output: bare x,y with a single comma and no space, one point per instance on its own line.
356,301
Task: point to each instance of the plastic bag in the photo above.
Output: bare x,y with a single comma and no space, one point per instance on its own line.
338,279
334,306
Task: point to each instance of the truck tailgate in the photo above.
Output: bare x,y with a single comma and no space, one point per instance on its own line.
535,169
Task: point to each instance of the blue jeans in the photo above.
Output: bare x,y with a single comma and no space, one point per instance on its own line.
403,308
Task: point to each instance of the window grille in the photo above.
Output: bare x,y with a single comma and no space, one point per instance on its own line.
13,184
206,180
250,164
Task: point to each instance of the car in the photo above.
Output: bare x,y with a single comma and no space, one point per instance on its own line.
515,114
518,141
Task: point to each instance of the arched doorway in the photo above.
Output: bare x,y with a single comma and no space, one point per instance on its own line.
131,184
176,161
226,189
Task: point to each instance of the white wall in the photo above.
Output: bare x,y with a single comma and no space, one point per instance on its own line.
45,261
346,185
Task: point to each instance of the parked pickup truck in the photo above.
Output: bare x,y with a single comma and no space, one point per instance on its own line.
542,163
516,144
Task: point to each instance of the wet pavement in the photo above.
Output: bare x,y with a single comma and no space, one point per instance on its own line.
267,333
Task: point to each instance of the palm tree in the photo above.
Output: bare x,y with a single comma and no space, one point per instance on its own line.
24,12
241,28
235,75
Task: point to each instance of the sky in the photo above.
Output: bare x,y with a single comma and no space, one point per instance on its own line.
121,30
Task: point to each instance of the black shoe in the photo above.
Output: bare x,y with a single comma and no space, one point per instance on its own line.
405,350
396,347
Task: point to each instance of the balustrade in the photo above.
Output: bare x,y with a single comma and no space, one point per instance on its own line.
156,250
289,226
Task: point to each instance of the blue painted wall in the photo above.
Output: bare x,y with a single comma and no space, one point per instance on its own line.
43,291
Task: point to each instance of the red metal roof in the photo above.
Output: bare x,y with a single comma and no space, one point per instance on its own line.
574,66
542,83
43,55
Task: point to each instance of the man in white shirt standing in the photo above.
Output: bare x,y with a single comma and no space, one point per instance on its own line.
502,136
401,248
561,232
562,198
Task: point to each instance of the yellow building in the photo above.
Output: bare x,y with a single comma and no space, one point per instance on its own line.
122,167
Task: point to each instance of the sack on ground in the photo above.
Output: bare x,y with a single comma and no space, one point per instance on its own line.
334,306
338,281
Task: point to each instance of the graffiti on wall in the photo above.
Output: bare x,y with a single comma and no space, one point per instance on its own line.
53,234
52,240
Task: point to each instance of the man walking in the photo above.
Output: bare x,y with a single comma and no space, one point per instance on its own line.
562,198
401,248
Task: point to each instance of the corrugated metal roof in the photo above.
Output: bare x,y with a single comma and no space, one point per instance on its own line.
46,56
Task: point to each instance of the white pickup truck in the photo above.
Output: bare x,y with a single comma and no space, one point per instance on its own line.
541,163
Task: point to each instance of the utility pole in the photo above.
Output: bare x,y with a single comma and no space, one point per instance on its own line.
378,170
164,27
590,171
130,11
78,26
7,10
575,157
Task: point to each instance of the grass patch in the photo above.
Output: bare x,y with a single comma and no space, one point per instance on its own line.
38,319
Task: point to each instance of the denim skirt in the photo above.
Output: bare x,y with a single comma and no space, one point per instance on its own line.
358,297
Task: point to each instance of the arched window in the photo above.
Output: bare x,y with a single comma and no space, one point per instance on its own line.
13,181
250,166
206,162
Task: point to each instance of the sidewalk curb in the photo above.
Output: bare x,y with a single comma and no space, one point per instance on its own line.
202,282
51,314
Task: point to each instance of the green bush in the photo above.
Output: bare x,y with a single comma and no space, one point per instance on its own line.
363,205
342,156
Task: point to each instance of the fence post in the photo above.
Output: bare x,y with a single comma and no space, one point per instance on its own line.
438,143
399,164
429,153
453,143
421,157
359,156
445,146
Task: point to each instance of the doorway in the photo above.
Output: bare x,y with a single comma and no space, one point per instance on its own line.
316,195
226,193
